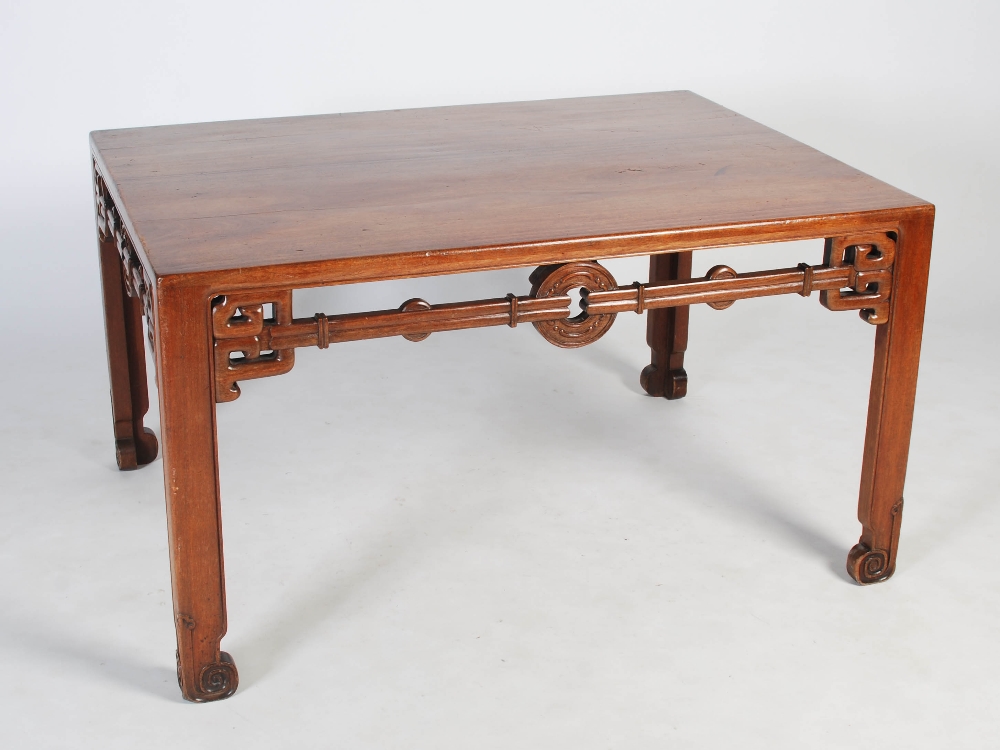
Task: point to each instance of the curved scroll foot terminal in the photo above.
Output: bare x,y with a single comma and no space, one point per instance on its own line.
217,681
131,454
671,384
866,565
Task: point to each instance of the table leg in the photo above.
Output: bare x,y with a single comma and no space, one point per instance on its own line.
667,331
191,479
135,445
890,409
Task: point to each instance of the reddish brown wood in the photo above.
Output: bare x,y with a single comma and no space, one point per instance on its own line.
135,444
890,407
667,331
242,341
203,225
191,481
871,256
556,282
367,196
249,346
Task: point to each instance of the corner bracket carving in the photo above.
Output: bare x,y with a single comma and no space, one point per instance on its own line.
250,343
243,342
870,258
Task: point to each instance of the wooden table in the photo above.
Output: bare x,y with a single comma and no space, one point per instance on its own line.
206,229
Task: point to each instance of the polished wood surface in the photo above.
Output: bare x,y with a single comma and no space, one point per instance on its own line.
206,231
451,180
135,444
667,332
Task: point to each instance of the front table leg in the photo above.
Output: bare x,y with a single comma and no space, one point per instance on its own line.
667,331
191,478
890,408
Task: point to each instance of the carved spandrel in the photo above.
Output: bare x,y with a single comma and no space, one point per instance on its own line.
856,275
243,346
870,256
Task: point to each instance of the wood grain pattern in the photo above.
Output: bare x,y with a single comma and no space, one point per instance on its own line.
207,229
890,407
191,483
459,181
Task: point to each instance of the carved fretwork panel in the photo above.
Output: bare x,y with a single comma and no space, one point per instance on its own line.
558,281
870,256
249,343
243,346
111,228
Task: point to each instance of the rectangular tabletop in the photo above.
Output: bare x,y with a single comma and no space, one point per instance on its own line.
436,188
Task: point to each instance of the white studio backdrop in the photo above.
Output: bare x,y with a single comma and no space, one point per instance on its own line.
336,652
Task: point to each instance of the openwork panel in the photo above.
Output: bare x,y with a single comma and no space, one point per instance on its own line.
243,345
252,342
871,257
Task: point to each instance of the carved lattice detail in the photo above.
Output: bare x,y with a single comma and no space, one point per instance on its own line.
243,345
557,281
111,228
856,275
870,256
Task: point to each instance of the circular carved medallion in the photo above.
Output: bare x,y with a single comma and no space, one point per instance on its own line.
555,281
409,306
721,272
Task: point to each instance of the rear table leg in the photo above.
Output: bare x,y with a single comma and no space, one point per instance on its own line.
135,445
667,331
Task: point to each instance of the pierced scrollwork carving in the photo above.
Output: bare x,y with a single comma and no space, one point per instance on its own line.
870,257
243,346
557,281
111,228
856,275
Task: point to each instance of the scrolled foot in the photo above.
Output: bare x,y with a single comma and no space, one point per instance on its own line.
216,682
131,454
125,454
866,565
671,385
219,680
148,447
